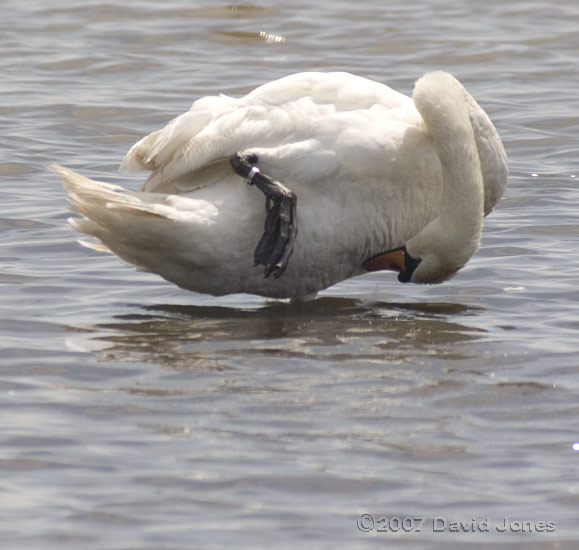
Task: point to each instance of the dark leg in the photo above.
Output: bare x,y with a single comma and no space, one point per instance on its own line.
277,242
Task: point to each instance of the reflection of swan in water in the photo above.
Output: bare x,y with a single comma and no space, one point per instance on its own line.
330,329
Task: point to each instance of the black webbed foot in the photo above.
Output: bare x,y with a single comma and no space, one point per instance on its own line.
277,242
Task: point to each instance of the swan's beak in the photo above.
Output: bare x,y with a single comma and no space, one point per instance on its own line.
397,259
393,260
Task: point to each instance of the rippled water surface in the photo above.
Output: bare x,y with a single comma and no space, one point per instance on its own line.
139,416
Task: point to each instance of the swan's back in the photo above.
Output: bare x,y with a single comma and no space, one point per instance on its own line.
281,112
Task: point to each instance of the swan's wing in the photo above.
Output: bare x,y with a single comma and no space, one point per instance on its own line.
158,150
191,151
343,90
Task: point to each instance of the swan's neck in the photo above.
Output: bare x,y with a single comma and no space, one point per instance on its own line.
461,210
447,243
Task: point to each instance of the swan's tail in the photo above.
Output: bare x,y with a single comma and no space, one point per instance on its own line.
116,216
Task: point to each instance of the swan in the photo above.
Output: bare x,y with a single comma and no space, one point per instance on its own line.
357,177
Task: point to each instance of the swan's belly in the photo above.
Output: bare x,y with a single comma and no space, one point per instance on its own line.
337,231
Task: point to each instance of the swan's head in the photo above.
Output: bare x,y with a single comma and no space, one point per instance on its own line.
433,256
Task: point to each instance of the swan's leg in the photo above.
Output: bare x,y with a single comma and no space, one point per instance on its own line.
277,242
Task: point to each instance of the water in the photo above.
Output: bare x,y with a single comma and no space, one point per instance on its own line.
138,416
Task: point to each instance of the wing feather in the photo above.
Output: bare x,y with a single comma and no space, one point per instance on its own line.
274,115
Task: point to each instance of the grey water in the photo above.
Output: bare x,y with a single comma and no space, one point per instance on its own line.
139,416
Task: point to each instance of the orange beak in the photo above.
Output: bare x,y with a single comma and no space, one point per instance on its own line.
394,260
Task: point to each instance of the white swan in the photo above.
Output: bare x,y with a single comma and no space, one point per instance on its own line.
382,181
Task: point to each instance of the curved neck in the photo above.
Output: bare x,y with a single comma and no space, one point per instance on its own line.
455,234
